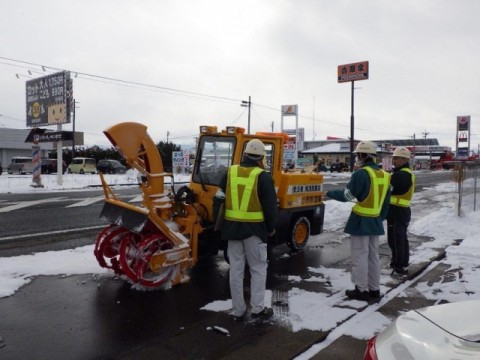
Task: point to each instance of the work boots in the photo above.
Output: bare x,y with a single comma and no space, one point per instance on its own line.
265,314
356,294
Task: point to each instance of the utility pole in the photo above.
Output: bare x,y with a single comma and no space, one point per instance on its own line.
73,127
313,125
425,133
413,157
247,104
168,134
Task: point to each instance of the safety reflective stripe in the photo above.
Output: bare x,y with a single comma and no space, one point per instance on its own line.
241,209
404,199
371,206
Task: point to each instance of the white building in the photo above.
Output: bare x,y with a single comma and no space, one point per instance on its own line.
12,143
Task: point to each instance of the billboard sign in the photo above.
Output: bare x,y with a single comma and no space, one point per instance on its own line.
463,137
289,110
178,158
48,99
352,72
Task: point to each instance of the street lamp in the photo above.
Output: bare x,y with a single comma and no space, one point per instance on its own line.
247,104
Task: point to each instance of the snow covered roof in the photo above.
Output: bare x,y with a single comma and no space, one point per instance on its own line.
329,148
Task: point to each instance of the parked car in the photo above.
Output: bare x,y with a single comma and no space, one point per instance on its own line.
339,167
447,331
82,165
110,167
20,165
50,166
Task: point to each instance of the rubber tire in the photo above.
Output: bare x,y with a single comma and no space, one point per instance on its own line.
299,233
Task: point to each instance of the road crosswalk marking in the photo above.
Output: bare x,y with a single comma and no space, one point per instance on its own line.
25,204
87,201
12,206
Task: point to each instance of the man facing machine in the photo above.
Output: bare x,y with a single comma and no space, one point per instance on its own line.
250,218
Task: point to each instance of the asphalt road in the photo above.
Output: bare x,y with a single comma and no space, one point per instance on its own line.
91,317
48,217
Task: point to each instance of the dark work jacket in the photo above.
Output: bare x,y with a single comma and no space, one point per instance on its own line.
400,182
239,230
359,186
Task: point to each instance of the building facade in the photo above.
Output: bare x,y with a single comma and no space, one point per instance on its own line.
424,151
12,143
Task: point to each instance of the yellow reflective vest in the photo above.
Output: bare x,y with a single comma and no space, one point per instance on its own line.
404,199
371,206
241,202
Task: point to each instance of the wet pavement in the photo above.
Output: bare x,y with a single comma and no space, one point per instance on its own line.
93,317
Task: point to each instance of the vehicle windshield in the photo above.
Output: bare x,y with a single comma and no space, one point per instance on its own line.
215,155
213,159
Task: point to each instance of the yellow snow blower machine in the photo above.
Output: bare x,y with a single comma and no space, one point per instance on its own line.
155,243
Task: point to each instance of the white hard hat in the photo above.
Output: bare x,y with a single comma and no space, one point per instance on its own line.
255,147
402,152
366,147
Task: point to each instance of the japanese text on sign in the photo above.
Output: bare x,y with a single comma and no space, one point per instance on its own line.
178,158
48,99
353,72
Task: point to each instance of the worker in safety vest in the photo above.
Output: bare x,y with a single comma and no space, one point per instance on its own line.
369,186
250,217
399,213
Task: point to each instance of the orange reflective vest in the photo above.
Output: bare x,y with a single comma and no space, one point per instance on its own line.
241,202
404,199
371,206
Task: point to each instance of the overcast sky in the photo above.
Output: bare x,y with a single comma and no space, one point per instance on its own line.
423,57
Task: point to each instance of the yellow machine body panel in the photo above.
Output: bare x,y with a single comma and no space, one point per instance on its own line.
297,190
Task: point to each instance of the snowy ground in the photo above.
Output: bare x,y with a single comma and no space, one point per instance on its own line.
307,310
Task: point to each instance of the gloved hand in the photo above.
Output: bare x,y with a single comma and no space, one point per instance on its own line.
272,236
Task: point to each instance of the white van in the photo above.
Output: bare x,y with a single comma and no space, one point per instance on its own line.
20,165
81,165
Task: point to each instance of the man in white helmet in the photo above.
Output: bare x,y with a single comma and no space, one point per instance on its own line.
369,187
250,218
399,213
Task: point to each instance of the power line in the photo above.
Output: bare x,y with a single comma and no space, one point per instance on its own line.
119,81
152,87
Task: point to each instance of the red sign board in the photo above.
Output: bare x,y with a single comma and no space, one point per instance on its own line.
353,72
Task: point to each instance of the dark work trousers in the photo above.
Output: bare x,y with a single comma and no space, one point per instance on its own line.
398,242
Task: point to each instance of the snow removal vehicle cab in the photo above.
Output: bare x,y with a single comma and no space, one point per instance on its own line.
155,243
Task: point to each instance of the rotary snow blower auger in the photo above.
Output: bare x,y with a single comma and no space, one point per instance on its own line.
153,244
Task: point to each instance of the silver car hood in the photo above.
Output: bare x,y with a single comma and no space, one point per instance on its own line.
461,319
449,331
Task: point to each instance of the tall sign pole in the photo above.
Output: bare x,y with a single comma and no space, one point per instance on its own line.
346,73
49,101
463,137
291,110
352,129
